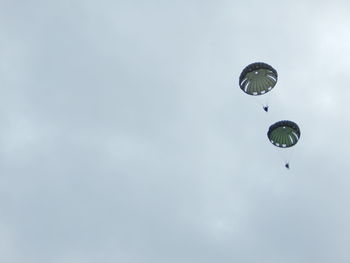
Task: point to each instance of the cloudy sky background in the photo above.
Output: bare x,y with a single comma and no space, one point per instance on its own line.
125,137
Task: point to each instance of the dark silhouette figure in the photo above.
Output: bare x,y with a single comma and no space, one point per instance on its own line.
266,108
287,165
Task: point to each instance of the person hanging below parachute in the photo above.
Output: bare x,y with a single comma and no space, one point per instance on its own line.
257,79
284,134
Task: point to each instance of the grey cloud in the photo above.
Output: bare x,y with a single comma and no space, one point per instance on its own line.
125,136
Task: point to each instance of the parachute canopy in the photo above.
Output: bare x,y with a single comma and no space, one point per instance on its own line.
257,78
284,134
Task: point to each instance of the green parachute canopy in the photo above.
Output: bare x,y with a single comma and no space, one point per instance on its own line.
257,78
284,134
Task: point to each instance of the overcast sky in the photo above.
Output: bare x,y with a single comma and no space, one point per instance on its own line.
125,137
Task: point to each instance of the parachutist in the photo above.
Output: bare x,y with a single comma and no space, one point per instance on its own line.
287,165
266,108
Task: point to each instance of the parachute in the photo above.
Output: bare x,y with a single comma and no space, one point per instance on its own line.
258,78
284,134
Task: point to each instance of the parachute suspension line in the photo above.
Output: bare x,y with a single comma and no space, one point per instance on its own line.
290,155
282,155
263,101
261,104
